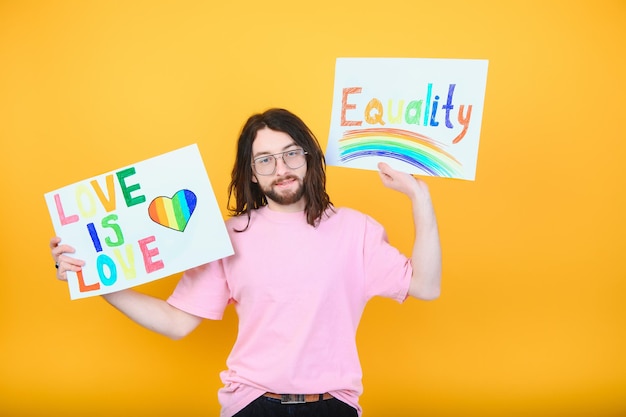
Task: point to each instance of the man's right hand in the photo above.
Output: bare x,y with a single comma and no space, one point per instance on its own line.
62,262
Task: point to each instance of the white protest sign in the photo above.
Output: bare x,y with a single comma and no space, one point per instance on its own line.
140,223
421,116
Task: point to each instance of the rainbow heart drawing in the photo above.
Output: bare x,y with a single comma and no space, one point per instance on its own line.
173,213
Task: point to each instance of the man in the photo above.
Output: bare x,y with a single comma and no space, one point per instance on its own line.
302,273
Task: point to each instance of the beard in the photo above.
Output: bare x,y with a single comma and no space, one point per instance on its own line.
287,197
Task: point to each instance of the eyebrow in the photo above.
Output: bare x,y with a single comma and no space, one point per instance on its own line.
292,144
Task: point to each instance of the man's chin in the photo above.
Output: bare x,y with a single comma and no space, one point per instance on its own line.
285,198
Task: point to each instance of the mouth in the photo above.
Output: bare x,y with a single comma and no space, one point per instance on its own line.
285,182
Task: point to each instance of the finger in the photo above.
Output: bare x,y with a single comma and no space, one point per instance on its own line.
54,242
55,251
385,171
386,179
61,272
54,245
384,167
68,264
60,250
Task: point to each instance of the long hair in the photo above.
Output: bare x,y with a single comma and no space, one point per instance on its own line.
248,194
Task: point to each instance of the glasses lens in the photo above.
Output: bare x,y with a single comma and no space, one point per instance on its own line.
265,165
294,159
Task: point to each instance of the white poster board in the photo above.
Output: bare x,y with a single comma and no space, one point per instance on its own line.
421,116
139,223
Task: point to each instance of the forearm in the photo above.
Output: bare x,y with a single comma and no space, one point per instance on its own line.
426,255
153,313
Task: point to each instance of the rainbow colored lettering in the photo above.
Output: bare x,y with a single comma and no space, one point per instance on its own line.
88,199
385,129
173,213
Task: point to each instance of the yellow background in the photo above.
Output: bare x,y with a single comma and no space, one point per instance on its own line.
532,317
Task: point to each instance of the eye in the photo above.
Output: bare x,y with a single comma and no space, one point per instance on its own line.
292,154
263,160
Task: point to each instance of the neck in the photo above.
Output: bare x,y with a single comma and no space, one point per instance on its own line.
299,205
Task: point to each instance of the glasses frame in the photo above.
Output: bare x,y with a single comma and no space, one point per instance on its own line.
282,155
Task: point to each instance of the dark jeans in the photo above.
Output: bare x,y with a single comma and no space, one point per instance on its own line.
270,407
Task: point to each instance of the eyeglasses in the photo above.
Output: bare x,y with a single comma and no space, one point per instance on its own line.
266,164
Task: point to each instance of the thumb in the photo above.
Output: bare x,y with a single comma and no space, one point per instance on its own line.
385,170
386,173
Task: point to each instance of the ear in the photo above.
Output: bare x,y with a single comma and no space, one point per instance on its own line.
254,179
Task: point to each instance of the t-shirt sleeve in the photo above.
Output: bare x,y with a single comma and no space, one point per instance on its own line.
202,291
387,271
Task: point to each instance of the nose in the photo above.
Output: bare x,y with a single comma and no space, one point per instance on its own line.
281,166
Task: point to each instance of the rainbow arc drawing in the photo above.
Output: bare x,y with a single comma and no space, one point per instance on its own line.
413,148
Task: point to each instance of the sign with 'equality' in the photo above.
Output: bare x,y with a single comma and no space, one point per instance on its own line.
140,223
421,116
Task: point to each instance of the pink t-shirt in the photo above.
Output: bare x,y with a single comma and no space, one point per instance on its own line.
299,292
